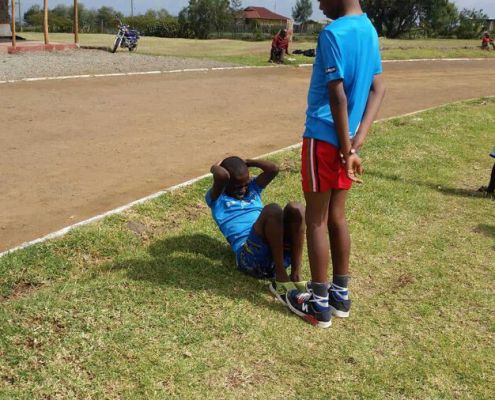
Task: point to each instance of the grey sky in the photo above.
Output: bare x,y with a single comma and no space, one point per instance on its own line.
282,6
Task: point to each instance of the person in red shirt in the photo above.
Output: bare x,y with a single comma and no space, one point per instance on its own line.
487,41
280,47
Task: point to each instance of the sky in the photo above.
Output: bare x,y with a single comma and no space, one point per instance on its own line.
280,6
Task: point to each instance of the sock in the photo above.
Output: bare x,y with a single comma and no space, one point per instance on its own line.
320,295
339,287
301,286
285,286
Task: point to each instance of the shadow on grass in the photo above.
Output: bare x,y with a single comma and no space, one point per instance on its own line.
487,230
197,262
448,191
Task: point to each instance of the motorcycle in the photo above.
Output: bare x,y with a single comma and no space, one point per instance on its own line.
126,37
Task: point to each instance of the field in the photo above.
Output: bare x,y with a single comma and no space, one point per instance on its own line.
256,53
70,152
147,304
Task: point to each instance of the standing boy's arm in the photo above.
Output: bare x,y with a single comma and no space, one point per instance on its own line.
375,99
270,171
221,178
338,105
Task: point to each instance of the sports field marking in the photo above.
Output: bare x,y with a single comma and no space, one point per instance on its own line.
116,74
125,207
418,60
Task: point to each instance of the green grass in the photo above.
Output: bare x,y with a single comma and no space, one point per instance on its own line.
148,304
256,53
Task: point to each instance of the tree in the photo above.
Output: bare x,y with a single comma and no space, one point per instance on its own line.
471,23
236,8
221,14
107,16
439,18
162,14
34,16
185,30
236,5
302,11
200,17
393,18
59,19
87,18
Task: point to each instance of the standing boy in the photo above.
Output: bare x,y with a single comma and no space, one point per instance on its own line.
266,239
345,95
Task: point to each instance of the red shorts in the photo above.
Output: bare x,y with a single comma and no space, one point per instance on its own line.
322,168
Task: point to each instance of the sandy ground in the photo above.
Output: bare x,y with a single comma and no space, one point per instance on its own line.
73,149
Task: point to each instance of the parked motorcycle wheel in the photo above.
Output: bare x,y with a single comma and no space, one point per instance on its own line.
116,44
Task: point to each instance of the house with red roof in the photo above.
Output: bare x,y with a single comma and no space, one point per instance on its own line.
263,16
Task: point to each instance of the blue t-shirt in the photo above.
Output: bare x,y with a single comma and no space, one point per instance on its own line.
234,217
349,50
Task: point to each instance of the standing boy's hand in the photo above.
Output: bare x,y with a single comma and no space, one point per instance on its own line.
357,143
354,167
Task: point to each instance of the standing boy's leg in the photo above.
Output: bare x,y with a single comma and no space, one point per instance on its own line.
340,239
313,305
317,235
340,244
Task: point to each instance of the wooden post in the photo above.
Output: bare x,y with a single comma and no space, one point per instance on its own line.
13,23
45,20
76,23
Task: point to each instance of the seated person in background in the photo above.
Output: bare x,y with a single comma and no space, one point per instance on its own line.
265,239
487,41
280,47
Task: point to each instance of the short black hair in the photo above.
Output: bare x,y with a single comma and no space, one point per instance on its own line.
235,165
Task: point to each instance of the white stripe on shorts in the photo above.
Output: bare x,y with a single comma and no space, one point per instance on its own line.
312,164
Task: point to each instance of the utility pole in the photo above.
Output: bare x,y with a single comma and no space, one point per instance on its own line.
12,21
132,8
76,22
20,15
45,21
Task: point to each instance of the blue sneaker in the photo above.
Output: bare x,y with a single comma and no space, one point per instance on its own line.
309,308
338,301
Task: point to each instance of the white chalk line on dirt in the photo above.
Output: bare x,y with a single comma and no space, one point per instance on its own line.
189,70
64,231
114,74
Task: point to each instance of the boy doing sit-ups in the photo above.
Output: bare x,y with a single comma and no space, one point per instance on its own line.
265,239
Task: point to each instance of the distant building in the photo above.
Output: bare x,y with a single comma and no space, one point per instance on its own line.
491,24
262,16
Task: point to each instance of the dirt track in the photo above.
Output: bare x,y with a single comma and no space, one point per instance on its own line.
75,148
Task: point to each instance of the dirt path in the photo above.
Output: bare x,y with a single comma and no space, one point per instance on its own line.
75,148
